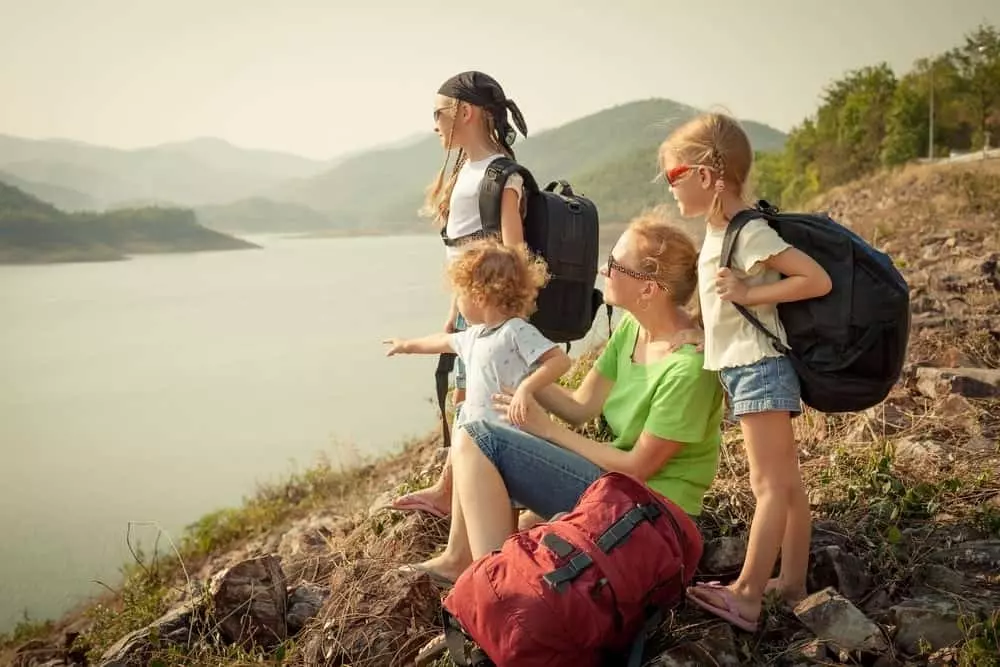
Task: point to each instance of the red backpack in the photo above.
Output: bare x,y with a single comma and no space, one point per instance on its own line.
578,590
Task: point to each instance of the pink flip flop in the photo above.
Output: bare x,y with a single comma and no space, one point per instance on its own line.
729,613
407,503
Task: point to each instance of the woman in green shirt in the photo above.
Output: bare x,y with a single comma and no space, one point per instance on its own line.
663,408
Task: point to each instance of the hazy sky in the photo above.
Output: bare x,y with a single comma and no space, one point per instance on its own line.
323,77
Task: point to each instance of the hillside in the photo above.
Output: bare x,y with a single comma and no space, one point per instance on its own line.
386,187
202,171
32,231
905,498
60,197
258,215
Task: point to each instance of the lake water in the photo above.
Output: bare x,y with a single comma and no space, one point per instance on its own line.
162,388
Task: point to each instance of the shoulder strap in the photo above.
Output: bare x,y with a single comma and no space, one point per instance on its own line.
491,190
446,363
736,225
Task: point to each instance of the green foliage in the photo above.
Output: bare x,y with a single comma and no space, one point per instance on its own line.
870,118
25,630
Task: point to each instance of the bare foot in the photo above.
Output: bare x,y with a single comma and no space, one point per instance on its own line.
791,595
443,567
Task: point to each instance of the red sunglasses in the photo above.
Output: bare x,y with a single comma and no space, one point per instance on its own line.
673,175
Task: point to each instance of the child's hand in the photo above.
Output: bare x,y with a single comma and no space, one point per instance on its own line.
396,346
517,411
729,287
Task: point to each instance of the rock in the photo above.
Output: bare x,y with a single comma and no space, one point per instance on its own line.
977,554
834,567
833,619
888,418
249,602
414,538
175,628
931,620
304,602
919,450
723,555
968,382
305,548
717,646
812,651
939,577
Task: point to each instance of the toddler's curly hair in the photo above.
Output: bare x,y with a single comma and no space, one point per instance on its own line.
504,277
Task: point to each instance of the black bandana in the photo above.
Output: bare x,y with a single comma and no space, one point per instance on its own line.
483,91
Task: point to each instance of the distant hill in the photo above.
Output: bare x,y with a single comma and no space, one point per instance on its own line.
32,231
60,197
197,172
259,215
610,153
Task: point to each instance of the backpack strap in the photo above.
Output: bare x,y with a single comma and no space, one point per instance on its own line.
446,363
736,225
654,617
491,190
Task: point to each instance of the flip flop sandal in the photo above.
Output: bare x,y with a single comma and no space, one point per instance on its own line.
728,613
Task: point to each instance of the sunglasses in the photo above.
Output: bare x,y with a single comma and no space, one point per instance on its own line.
615,265
675,174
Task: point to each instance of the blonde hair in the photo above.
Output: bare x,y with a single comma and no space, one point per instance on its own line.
437,201
718,142
504,277
667,254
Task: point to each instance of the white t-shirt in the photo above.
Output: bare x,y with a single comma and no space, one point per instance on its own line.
730,340
463,216
496,357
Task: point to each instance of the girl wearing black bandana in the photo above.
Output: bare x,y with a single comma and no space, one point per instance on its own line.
476,123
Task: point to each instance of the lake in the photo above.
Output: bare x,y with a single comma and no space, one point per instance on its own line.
164,387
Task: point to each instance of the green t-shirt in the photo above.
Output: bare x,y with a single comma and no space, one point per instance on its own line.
674,399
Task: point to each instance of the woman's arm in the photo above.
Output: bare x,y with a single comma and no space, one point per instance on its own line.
511,222
649,454
579,406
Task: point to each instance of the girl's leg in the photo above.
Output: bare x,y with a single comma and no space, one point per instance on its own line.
456,555
774,478
791,581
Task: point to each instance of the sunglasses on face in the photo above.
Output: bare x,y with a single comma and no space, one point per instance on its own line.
615,265
678,172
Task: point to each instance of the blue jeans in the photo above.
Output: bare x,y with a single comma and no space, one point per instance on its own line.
543,477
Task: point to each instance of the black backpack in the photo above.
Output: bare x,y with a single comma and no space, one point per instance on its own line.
562,228
848,347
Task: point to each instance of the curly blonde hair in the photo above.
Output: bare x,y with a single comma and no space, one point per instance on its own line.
507,278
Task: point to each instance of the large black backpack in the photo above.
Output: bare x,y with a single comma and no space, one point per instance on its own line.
562,228
849,346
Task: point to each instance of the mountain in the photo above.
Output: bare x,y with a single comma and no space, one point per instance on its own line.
64,198
611,152
258,215
197,172
32,231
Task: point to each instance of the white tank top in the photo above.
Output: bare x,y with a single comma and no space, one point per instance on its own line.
463,218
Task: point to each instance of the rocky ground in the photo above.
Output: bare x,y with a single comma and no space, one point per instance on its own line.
905,563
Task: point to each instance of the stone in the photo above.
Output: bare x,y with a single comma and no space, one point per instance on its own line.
175,628
249,602
723,555
939,577
835,567
36,652
972,555
930,621
833,619
919,450
968,382
717,646
304,602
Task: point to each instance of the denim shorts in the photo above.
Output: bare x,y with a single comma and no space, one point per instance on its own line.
460,325
768,385
540,476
